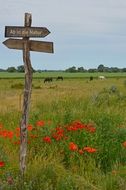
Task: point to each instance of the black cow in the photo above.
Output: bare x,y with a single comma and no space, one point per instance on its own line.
48,79
59,78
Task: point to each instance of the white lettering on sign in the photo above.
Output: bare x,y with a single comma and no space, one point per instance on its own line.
35,32
18,32
25,31
12,32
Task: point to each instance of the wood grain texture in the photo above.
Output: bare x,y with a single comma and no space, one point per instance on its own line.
26,100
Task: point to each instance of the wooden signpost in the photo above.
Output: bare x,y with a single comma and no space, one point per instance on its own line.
39,46
26,45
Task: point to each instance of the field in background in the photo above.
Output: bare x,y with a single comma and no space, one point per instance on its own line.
11,90
59,110
64,74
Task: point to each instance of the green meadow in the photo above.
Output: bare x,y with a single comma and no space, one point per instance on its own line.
61,73
76,132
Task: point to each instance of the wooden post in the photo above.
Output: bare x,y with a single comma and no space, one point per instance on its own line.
27,96
26,45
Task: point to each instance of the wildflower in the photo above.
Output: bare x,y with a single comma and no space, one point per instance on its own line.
57,137
58,134
59,130
29,127
1,126
10,134
40,123
7,134
2,164
124,144
90,128
18,129
4,133
17,134
17,142
89,149
86,148
47,139
80,151
75,126
73,146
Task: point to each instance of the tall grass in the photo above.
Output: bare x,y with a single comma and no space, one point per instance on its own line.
73,115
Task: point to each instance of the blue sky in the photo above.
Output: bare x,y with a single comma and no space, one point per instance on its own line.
85,33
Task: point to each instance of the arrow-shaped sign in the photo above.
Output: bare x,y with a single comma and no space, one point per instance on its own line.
39,46
19,31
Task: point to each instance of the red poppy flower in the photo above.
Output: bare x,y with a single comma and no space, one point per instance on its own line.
91,129
29,127
80,151
17,142
2,164
89,149
73,146
17,134
1,126
40,123
75,126
47,139
4,133
10,134
124,144
58,133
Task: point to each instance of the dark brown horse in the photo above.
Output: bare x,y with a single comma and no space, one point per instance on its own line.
59,78
48,79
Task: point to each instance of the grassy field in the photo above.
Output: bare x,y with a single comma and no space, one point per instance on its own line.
64,74
76,134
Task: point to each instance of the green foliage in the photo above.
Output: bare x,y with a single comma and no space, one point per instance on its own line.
108,143
11,69
21,69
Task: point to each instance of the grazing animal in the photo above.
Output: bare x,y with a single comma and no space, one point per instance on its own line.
48,79
91,78
59,78
101,77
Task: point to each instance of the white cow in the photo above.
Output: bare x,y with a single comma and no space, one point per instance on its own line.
101,77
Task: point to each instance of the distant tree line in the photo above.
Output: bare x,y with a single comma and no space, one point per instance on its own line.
19,69
73,69
100,68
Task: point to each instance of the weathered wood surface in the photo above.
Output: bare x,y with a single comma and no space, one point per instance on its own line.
26,101
19,31
39,46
